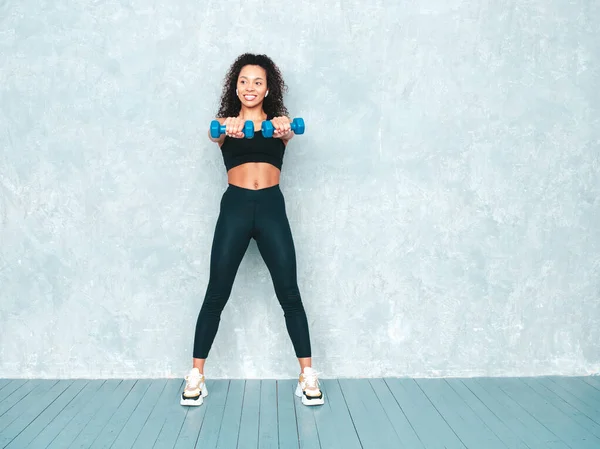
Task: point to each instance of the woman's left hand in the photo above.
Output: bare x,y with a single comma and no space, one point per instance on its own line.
282,127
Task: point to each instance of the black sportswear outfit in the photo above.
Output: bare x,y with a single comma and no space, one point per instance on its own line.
258,214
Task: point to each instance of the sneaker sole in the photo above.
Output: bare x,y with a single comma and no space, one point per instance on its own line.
195,402
307,401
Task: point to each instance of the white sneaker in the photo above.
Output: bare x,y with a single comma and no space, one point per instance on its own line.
195,388
308,388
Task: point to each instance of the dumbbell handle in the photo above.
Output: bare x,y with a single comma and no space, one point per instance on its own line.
297,125
216,129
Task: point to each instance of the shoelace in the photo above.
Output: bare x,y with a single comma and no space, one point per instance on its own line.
312,382
193,381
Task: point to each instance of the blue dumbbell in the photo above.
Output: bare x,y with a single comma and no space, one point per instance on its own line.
216,129
268,129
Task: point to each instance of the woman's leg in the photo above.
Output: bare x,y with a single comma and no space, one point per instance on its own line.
230,242
276,246
275,243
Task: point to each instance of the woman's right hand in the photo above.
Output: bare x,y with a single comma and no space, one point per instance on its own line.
235,127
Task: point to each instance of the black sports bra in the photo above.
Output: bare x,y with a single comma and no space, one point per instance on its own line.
257,149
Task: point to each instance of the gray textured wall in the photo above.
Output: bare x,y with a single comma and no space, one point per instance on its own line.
444,201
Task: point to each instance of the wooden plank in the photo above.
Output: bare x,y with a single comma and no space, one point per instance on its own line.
549,416
83,416
467,425
29,430
9,389
229,429
346,432
183,423
585,392
5,382
167,406
113,427
503,408
362,411
528,428
370,419
592,380
21,416
493,422
23,412
495,413
433,431
75,407
15,394
286,412
138,417
268,436
214,404
334,423
307,428
592,390
251,417
404,429
571,399
110,405
564,406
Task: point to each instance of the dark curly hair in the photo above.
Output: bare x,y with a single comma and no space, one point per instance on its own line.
273,104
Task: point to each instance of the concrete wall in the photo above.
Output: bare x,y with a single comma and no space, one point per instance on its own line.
444,200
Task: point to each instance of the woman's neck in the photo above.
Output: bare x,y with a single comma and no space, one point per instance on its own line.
255,114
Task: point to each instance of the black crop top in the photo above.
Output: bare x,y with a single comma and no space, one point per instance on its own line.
257,149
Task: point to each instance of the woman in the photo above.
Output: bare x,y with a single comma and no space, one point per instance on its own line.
252,207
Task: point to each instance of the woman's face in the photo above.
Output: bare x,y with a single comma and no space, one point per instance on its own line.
252,85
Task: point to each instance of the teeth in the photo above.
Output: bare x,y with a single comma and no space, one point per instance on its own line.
249,97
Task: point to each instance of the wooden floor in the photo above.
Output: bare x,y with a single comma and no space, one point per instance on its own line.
483,413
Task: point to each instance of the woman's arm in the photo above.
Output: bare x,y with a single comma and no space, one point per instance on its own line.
221,138
283,129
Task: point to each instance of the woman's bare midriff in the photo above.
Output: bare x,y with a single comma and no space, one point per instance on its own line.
254,175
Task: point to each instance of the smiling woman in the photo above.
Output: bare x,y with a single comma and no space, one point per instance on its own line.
257,163
252,81
253,91
252,207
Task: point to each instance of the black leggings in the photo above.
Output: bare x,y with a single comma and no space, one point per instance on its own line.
258,214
